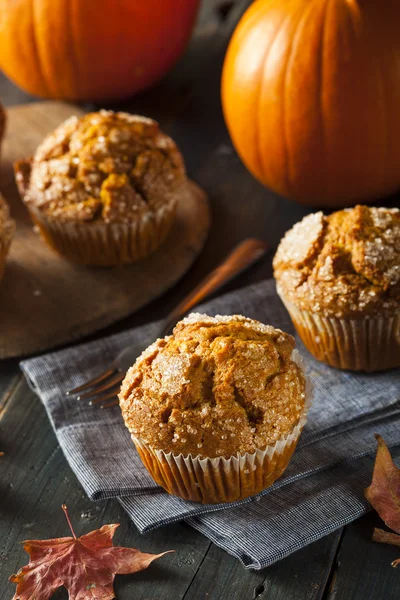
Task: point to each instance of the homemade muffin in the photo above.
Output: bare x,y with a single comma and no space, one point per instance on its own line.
103,188
216,409
339,278
7,228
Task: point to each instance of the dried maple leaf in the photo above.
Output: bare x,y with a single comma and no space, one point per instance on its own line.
85,566
384,495
384,491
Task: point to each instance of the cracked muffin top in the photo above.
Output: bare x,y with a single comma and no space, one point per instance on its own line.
346,264
108,166
7,225
217,387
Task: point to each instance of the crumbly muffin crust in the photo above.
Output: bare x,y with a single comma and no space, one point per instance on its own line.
7,225
105,166
346,264
218,386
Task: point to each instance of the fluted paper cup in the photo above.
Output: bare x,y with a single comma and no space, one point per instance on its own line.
105,244
364,344
220,480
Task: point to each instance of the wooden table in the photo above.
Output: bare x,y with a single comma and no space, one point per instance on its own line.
35,478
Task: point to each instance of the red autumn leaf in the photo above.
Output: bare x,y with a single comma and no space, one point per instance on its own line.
85,566
384,491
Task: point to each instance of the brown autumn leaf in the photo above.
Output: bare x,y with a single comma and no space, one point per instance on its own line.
384,491
85,566
384,495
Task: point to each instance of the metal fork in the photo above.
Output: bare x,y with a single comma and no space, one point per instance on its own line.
106,385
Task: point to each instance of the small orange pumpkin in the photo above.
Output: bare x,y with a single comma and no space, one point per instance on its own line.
92,50
311,97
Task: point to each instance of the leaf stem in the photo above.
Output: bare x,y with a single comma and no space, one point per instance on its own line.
65,509
386,537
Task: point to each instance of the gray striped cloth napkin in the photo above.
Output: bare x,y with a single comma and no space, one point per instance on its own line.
321,490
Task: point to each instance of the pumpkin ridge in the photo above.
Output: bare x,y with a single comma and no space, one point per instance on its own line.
73,56
328,4
291,54
264,62
37,51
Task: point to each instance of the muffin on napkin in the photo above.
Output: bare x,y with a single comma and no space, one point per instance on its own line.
7,228
216,409
103,188
339,278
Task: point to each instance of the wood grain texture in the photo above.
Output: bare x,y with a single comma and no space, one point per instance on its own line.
221,577
362,568
32,491
35,480
45,300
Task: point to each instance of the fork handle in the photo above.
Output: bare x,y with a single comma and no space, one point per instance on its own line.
240,259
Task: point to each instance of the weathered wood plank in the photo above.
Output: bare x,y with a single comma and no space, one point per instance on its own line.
363,568
35,480
301,576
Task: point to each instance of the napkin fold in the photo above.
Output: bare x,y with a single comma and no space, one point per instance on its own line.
321,490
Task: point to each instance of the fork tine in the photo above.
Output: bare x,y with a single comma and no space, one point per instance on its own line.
92,382
109,404
102,388
103,397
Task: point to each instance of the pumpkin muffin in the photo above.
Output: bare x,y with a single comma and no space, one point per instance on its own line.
339,278
103,188
216,409
7,228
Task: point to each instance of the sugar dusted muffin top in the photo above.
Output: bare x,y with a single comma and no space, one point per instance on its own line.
7,225
346,264
217,387
108,166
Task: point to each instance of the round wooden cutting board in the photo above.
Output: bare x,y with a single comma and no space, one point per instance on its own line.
45,300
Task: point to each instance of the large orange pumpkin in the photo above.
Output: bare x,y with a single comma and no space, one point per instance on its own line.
311,97
92,49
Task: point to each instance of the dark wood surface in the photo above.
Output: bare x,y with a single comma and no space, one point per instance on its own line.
48,301
34,476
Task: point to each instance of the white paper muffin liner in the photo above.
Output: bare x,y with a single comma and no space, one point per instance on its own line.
364,344
105,244
220,480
